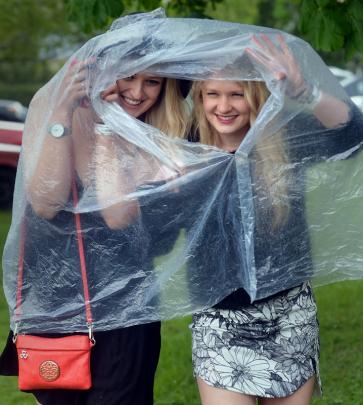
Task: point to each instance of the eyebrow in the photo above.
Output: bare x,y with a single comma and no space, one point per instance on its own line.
211,89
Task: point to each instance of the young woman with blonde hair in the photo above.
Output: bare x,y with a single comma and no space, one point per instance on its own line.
124,360
266,351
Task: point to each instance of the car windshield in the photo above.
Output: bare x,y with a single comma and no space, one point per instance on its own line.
12,111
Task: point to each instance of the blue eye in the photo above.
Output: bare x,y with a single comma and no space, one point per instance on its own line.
154,82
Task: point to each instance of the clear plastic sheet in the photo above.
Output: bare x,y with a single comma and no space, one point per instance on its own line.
205,220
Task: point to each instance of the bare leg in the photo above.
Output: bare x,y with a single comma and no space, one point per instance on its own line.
218,396
301,397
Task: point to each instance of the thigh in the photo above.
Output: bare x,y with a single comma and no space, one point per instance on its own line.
302,396
210,395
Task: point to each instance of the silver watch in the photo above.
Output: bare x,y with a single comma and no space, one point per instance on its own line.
58,130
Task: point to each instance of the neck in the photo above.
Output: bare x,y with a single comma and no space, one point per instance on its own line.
230,142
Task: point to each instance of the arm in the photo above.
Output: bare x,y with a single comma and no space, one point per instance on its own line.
48,182
330,111
114,181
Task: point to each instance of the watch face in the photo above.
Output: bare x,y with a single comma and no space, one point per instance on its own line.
57,130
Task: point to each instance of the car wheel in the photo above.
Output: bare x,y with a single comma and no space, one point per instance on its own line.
7,182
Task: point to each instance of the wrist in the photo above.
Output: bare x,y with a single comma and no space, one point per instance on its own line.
103,129
308,95
58,130
62,115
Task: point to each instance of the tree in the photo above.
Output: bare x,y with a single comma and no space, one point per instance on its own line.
329,25
93,15
33,35
332,25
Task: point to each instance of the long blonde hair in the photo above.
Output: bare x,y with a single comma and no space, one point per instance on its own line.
169,113
269,152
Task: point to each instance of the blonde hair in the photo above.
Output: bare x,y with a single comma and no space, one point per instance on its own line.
269,152
169,113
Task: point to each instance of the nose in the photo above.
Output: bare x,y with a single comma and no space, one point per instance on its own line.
224,105
137,88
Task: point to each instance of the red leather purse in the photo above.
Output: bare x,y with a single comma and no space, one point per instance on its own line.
55,363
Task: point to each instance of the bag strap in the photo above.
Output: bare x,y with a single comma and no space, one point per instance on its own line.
82,260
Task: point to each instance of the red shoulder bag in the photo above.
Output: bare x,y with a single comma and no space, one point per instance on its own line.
56,363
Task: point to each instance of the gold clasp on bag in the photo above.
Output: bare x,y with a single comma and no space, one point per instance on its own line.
49,370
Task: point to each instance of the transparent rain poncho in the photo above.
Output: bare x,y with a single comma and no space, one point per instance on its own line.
206,222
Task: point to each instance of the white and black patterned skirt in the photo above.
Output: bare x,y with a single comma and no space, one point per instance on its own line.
268,349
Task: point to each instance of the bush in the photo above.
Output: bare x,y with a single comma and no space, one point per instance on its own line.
19,92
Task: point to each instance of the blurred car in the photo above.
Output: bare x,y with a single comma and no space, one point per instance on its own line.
11,110
10,144
355,88
358,101
344,76
355,91
352,84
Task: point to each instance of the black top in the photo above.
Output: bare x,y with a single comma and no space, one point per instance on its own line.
52,275
279,254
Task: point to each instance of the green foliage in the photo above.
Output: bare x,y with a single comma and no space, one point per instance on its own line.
331,25
235,11
30,33
189,8
22,92
91,15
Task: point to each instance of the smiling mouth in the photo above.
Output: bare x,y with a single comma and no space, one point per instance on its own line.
226,118
132,102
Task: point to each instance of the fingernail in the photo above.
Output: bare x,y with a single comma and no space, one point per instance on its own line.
85,102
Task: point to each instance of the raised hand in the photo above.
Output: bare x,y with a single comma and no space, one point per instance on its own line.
111,93
280,62
73,88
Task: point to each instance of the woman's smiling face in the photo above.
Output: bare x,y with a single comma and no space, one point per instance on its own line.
138,93
226,110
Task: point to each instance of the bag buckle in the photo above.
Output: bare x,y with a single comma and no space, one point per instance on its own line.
90,333
15,334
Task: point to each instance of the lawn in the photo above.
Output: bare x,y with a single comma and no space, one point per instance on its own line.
341,321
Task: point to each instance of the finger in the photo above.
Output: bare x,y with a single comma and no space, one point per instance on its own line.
258,56
85,102
269,64
110,97
258,42
111,89
284,47
271,47
280,75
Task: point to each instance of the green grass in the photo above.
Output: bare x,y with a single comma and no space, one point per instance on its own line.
341,322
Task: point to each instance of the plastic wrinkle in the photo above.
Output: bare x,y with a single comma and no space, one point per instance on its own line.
172,226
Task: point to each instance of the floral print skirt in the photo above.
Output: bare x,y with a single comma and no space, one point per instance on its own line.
267,349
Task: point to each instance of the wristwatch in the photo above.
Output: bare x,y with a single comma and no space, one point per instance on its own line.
58,130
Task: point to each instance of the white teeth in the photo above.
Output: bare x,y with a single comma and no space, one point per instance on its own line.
131,101
226,117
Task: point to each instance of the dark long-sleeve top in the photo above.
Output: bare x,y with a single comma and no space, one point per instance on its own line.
118,263
281,255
